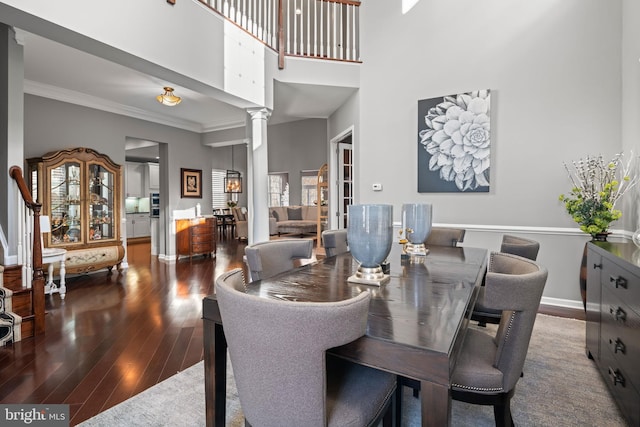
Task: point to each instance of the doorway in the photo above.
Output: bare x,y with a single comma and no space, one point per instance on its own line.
343,172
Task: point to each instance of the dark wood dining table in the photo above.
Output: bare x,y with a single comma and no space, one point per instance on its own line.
416,327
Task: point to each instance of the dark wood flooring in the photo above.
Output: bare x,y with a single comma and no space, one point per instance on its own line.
116,335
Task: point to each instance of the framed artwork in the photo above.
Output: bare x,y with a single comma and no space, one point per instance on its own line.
454,143
191,183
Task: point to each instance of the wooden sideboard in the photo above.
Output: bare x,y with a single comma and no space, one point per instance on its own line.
613,320
196,236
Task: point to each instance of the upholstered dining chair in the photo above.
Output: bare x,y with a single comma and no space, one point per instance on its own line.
489,366
283,374
527,248
445,236
266,259
335,242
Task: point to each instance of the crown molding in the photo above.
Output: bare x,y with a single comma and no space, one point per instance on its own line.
77,98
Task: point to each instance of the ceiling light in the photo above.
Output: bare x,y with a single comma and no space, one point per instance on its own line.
168,98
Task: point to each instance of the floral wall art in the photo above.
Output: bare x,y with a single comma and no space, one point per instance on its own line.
454,143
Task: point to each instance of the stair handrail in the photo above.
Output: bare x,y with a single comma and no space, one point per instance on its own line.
37,284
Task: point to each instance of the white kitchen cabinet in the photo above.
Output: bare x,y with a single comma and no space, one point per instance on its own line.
134,180
153,176
138,225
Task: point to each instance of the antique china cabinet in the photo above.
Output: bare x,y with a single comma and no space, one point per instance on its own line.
80,190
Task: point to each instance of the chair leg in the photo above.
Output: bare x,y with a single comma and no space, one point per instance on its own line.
502,413
387,419
399,389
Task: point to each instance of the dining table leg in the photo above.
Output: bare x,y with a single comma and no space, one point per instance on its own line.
215,374
435,404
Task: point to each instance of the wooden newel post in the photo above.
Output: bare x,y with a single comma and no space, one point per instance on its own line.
37,284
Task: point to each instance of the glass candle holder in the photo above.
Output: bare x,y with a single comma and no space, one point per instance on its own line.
416,224
370,235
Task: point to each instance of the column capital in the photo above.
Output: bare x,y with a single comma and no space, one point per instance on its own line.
261,113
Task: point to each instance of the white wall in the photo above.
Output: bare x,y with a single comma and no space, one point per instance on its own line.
554,70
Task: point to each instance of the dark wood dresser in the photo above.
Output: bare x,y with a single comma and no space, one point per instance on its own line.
196,236
613,320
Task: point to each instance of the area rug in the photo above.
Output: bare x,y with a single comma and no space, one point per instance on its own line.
560,387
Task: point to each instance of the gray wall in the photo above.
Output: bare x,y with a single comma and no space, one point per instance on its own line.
631,99
297,146
555,75
52,125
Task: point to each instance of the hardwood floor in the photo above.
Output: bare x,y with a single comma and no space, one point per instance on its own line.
115,335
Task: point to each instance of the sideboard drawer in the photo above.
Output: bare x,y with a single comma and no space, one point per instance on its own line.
621,334
201,248
623,284
200,238
621,387
202,229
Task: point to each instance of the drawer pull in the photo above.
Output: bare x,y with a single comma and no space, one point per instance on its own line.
618,313
618,346
597,266
616,376
620,282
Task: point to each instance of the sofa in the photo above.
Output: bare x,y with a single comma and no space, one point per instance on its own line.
295,219
242,227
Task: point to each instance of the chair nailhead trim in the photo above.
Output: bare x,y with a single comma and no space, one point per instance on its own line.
466,387
506,334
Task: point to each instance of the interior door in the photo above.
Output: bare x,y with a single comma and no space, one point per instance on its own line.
345,179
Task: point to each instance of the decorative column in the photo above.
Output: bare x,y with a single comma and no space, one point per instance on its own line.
257,176
11,137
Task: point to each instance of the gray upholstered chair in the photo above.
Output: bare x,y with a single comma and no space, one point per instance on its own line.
444,236
284,376
488,366
514,245
335,242
266,259
520,246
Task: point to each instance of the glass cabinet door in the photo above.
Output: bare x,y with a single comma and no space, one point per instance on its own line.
64,199
101,198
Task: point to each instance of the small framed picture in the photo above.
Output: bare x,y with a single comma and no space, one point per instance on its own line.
191,183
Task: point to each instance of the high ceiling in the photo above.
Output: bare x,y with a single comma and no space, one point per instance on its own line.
60,72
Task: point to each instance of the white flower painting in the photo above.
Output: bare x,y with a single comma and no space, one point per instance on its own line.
454,143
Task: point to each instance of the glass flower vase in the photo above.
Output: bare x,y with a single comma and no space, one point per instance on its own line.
416,224
370,235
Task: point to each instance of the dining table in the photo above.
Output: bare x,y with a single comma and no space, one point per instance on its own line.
416,325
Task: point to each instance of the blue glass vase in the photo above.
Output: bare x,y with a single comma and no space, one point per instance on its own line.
370,235
416,224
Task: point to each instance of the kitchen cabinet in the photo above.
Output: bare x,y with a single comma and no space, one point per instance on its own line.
134,180
138,225
80,191
153,177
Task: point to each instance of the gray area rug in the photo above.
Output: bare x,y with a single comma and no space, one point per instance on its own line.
560,387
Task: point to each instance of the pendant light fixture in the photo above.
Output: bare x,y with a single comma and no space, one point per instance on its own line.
233,180
168,98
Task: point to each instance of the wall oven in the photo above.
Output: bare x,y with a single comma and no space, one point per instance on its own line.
154,205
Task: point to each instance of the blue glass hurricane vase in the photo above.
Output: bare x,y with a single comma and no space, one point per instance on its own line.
370,236
416,224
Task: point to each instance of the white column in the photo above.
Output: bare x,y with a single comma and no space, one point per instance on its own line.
257,176
11,140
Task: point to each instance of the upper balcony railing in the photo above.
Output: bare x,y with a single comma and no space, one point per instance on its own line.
326,29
